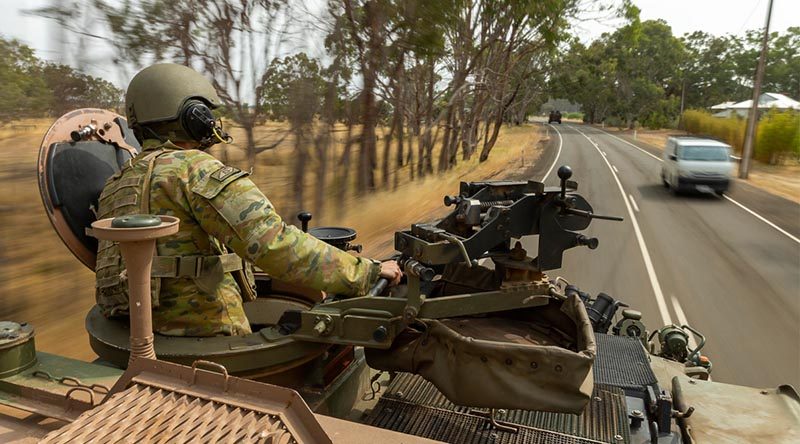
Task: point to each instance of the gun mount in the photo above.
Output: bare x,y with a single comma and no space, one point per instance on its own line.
487,217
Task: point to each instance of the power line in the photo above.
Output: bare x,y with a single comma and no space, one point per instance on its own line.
749,16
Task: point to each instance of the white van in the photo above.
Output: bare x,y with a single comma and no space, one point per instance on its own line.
694,163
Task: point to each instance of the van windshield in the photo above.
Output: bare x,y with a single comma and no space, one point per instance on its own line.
703,153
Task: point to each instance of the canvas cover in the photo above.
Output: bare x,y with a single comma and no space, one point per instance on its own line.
534,359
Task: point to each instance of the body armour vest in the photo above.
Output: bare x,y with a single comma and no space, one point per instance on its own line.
204,282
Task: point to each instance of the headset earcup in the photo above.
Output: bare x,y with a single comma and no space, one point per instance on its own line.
197,120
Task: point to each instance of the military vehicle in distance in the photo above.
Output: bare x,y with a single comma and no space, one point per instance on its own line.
477,344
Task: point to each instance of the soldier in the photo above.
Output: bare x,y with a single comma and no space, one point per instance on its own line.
197,283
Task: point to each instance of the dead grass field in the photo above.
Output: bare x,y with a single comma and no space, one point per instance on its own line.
781,180
43,284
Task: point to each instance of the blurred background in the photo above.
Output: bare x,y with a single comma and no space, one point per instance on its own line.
366,112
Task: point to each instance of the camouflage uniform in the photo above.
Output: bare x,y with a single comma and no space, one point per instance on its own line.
218,206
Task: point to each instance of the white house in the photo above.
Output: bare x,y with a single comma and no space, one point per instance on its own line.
766,101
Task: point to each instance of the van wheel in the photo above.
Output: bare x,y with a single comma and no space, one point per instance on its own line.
664,180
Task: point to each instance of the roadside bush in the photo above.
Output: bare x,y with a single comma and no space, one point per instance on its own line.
656,121
615,121
729,129
778,133
578,116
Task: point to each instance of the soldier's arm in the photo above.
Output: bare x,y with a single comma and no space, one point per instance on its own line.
229,206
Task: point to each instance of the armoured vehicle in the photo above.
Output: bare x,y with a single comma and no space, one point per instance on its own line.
478,344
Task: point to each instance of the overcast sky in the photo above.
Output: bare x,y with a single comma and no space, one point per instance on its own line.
714,16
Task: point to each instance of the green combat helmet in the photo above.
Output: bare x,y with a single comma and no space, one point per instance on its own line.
173,101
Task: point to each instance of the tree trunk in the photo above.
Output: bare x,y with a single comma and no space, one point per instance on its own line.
410,158
321,145
251,145
488,145
345,168
387,146
300,163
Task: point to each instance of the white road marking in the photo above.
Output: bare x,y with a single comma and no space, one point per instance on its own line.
763,219
615,169
604,154
682,319
758,216
633,202
638,148
558,153
648,263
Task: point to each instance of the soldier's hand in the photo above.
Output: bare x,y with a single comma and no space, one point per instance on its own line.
391,271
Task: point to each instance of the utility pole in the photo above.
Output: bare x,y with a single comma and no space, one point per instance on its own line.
752,119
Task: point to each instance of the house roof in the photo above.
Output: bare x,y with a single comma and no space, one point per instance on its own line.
766,101
723,105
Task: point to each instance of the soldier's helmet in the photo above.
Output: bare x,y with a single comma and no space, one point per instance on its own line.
172,101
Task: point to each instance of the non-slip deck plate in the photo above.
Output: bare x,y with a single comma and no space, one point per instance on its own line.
622,362
413,405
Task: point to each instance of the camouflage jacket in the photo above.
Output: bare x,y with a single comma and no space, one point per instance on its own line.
218,206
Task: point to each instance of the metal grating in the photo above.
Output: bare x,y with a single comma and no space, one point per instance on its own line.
453,427
622,362
162,402
605,418
148,414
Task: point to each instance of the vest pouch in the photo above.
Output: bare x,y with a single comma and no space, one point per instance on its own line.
111,282
537,358
246,281
211,275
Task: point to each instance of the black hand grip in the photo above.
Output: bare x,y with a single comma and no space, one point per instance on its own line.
378,287
418,269
452,200
304,217
590,242
564,173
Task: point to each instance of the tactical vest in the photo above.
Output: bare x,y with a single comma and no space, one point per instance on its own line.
128,192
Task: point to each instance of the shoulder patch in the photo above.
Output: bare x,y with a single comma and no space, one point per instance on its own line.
224,172
212,184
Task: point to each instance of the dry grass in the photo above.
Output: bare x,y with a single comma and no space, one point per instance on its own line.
781,180
42,283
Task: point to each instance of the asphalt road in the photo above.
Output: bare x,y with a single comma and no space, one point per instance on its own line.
719,264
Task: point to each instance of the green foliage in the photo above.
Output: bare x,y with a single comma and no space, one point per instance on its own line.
292,89
730,129
616,75
33,88
778,133
641,71
577,116
711,72
23,92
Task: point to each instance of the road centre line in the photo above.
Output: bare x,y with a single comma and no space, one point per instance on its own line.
558,153
758,216
682,319
648,263
633,202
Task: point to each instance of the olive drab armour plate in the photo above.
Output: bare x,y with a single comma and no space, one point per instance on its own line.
79,152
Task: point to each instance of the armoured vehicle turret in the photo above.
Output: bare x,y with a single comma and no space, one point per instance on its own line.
482,341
